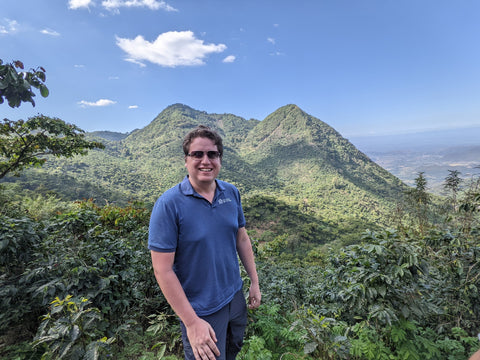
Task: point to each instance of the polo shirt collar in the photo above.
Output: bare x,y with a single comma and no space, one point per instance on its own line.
187,188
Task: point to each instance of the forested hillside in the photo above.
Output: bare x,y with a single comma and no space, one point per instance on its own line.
353,263
77,283
291,156
76,279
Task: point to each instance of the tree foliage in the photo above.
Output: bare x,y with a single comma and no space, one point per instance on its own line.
16,87
24,143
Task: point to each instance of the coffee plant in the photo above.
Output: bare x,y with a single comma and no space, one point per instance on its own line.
76,283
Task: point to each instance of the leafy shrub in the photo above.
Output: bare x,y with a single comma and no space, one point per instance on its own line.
19,239
83,257
79,254
324,336
381,280
72,330
386,296
274,328
254,349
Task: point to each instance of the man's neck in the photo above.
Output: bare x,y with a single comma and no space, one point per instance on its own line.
206,190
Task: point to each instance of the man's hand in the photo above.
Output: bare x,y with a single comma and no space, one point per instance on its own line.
202,339
254,297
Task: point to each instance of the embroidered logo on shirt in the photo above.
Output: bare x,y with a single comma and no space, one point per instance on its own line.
223,201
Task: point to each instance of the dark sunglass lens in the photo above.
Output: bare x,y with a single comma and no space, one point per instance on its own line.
197,154
213,154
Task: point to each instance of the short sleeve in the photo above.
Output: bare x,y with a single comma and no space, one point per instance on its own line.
241,215
163,228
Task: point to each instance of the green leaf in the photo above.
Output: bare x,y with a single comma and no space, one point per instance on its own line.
310,347
44,90
4,244
74,333
92,352
40,75
161,352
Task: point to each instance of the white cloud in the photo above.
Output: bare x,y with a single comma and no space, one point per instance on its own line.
78,4
229,59
10,26
114,5
50,32
98,103
170,49
133,107
133,61
271,40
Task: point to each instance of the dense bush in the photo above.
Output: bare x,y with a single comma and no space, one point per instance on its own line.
388,297
93,253
79,284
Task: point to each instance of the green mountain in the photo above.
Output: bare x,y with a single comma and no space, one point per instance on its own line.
295,172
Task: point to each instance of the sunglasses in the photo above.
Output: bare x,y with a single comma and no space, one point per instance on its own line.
198,155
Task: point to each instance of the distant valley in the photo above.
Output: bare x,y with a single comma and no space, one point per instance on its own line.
431,152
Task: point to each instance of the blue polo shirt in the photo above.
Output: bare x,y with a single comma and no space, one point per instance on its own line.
203,236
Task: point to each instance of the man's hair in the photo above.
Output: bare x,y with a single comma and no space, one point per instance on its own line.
204,132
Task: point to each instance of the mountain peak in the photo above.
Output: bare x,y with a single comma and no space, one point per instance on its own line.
180,108
290,110
290,152
288,124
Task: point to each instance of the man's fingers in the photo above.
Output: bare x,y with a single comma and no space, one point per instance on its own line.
202,339
213,348
205,353
213,335
253,303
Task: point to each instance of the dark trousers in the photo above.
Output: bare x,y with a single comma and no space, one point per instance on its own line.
229,325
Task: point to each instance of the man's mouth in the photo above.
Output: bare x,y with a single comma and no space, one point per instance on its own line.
205,170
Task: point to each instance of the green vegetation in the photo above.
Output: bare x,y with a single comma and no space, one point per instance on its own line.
24,144
353,264
77,283
292,157
16,87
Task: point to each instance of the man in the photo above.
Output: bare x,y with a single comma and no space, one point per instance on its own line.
197,228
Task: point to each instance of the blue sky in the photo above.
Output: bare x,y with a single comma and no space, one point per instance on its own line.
362,66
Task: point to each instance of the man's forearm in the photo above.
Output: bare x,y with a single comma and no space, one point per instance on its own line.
200,333
245,252
172,289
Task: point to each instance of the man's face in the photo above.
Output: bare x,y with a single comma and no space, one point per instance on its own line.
205,170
